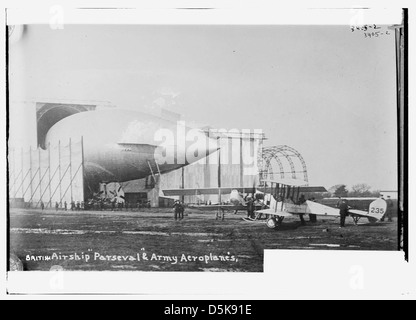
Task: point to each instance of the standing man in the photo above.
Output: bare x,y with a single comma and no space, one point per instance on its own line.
343,211
312,217
250,207
389,210
176,209
181,210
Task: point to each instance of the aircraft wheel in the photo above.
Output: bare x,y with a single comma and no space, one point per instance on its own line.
272,223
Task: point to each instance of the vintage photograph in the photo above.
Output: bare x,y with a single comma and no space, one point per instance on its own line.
194,148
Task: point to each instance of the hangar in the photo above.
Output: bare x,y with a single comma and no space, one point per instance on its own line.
40,173
52,174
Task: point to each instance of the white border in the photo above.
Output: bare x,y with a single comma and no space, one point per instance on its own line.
224,16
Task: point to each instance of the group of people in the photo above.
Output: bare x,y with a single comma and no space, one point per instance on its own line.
127,205
105,204
74,206
178,210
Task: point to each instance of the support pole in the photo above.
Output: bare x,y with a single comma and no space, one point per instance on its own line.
59,166
13,177
70,168
241,161
49,173
13,173
23,179
56,188
44,191
79,167
183,184
83,169
15,190
207,171
31,173
277,191
21,185
219,172
31,197
40,177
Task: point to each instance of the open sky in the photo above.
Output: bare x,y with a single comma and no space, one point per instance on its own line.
324,90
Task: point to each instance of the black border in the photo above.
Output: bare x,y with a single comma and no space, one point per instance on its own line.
7,147
405,136
401,34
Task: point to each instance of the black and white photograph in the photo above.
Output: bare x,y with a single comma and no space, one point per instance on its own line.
195,148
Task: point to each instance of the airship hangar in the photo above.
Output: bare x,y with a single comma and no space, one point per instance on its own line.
66,152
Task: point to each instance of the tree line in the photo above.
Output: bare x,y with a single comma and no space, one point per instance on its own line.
357,190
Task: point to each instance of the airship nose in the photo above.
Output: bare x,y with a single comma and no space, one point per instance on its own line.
195,147
201,147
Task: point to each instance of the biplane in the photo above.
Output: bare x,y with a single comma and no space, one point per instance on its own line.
285,199
238,198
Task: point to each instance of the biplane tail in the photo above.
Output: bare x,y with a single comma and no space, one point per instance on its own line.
375,212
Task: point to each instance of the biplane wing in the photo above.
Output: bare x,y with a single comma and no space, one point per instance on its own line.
309,207
208,191
297,185
224,207
300,189
288,182
275,212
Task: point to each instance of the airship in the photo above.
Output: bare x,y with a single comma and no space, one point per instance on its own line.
122,145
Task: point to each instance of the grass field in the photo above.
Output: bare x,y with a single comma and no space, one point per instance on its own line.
151,240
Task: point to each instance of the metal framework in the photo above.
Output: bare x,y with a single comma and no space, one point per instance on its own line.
289,161
46,181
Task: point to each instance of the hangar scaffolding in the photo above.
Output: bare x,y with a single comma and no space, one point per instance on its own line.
51,176
290,164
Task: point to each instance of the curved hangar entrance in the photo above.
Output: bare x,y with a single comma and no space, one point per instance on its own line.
282,162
